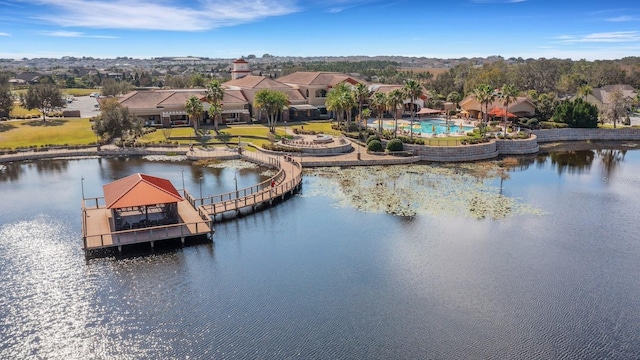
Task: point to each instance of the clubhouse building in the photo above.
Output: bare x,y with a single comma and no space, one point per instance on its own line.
306,92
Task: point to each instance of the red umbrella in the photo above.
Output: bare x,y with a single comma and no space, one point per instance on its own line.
499,112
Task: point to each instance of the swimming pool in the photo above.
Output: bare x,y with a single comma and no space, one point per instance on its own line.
424,126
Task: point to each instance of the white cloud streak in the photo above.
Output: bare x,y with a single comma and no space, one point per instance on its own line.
4,34
75,34
167,15
623,18
605,37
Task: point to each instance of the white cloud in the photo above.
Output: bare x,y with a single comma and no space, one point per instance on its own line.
4,34
605,37
169,15
623,18
75,34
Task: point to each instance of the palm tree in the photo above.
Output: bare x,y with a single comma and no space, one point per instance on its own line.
484,95
214,95
379,103
272,102
193,106
395,101
509,93
413,90
584,91
455,98
341,100
361,94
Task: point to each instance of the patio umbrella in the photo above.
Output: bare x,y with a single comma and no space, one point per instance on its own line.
500,112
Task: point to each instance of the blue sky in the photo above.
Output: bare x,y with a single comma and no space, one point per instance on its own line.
230,28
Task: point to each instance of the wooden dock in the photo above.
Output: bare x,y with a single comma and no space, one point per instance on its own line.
98,227
286,182
195,215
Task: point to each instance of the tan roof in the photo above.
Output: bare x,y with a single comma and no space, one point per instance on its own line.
180,97
294,96
256,82
603,94
144,99
234,97
139,190
317,78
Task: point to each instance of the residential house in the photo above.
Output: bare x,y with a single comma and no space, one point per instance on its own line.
600,97
521,107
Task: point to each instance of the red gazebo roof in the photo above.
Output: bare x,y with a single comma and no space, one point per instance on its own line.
139,190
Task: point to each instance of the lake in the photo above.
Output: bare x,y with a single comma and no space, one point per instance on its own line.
522,257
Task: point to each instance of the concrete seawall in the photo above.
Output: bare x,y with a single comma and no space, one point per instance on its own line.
624,134
484,151
461,153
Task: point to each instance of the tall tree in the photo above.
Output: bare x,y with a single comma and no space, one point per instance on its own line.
214,95
485,96
507,95
361,94
272,102
379,103
395,100
584,91
194,110
115,121
412,90
44,97
341,100
6,99
617,107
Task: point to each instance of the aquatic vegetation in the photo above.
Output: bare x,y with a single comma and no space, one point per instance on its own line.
231,164
453,189
165,157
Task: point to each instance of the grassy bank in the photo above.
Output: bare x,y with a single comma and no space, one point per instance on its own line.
71,131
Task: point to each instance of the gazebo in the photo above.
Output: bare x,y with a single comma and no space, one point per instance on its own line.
139,201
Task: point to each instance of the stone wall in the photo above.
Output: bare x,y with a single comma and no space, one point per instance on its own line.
518,147
475,152
455,153
551,135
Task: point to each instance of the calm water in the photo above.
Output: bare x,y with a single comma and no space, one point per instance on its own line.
318,277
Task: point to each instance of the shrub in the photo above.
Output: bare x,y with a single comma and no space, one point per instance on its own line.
494,123
532,123
280,148
373,137
552,125
395,145
374,145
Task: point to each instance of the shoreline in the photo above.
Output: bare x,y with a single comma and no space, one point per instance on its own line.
359,156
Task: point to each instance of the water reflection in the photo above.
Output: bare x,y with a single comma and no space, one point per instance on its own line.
611,161
11,172
572,162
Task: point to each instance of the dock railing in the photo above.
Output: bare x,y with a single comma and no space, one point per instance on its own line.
265,191
155,233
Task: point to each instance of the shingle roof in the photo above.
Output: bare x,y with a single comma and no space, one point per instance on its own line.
139,190
256,82
329,79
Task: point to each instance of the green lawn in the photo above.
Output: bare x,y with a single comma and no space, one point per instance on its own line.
20,111
71,131
79,92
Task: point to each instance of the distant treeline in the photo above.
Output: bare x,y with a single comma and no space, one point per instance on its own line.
559,76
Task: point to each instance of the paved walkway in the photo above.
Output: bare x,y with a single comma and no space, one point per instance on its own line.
357,157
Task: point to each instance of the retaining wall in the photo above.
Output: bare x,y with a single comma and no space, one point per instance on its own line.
551,135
